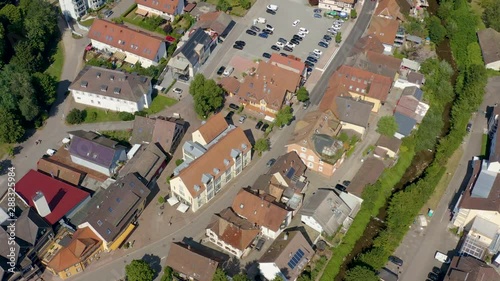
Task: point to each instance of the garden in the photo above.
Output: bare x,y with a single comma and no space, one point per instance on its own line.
234,7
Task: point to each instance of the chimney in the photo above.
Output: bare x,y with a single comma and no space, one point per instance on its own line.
286,236
41,204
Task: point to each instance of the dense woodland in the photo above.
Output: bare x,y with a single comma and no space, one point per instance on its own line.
28,39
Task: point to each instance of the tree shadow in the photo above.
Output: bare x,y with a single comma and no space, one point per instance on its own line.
252,269
232,266
154,262
4,166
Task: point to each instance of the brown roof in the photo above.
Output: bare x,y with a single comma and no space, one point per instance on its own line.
60,171
197,266
369,173
415,77
62,156
147,161
489,203
377,63
165,6
161,130
230,84
390,143
233,229
83,244
389,9
467,268
287,62
257,210
126,39
289,166
217,159
189,7
488,39
314,122
407,106
352,111
368,43
216,21
213,127
384,29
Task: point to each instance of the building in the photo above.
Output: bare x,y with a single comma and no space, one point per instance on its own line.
60,171
191,264
339,5
410,65
410,79
199,179
83,248
75,9
367,174
96,152
488,39
148,161
112,213
376,63
263,211
192,54
389,9
326,212
52,199
288,63
464,268
287,257
231,232
387,147
353,114
368,43
167,132
230,84
314,140
210,130
166,9
217,24
410,111
406,124
386,30
135,46
268,89
482,239
112,90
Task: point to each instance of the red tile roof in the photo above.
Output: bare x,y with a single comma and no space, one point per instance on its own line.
384,29
165,6
60,196
287,63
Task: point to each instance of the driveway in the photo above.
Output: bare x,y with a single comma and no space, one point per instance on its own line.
121,8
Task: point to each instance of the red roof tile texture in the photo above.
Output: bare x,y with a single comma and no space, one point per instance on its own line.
165,6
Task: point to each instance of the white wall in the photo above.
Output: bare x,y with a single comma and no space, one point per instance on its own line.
111,103
311,222
196,136
494,65
358,129
90,165
223,245
269,270
69,9
144,61
178,11
401,84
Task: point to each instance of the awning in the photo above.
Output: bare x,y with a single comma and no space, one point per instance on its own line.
269,118
141,12
182,208
172,201
119,55
119,241
131,59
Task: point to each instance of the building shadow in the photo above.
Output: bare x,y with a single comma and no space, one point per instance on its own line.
455,199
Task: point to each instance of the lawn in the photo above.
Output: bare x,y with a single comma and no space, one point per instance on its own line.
87,23
236,10
140,21
122,136
159,103
102,115
484,146
55,69
478,10
3,150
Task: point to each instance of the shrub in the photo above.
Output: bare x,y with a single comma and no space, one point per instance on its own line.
125,116
161,199
179,162
92,116
75,116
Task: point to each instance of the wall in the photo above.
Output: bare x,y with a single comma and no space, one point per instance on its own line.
90,165
223,245
311,160
311,222
144,61
376,103
106,102
358,129
494,65
180,191
269,270
196,136
492,216
401,84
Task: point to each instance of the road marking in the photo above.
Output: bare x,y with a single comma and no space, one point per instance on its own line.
163,258
320,69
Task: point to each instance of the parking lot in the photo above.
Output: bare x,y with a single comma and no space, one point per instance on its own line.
288,12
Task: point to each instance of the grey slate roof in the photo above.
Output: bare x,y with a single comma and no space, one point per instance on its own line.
352,111
188,49
414,92
328,209
405,123
488,39
415,77
30,226
146,162
142,130
414,39
93,147
111,83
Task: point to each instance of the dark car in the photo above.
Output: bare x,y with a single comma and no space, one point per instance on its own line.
469,127
288,49
242,43
317,10
312,59
284,54
263,35
184,78
108,13
296,37
340,187
432,276
327,37
309,64
346,183
309,70
305,104
255,28
260,244
395,260
272,12
295,41
229,115
436,270
239,47
275,48
318,16
221,70
322,44
270,162
259,125
264,127
268,31
251,32
282,40
234,106
266,55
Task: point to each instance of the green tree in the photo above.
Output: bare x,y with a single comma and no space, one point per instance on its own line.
387,126
139,270
223,5
278,278
11,16
46,88
437,32
338,38
361,273
197,84
245,4
75,116
11,130
241,277
39,24
284,116
261,145
354,14
168,273
302,94
219,275
207,95
491,13
10,152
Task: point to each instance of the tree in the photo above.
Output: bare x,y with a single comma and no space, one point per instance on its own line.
338,38
278,278
302,94
75,116
284,116
245,4
46,88
139,270
11,130
354,14
10,151
437,32
313,2
223,5
361,273
491,13
261,145
219,275
207,95
387,126
167,274
241,277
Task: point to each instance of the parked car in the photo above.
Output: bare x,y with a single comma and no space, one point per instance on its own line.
436,270
332,31
275,48
316,56
469,127
242,119
318,16
270,162
177,91
346,183
432,276
184,78
255,28
282,40
317,10
296,22
295,36
306,104
309,64
280,44
268,31
341,187
251,32
271,12
317,52
264,127
442,257
229,115
266,55
288,49
259,125
284,54
263,34
295,41
239,42
327,37
228,71
50,152
221,70
260,244
321,44
239,47
309,70
312,59
304,30
301,34
261,20
272,7
270,27
234,106
395,260
290,45
108,13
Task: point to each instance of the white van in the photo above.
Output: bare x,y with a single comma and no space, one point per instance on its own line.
272,7
442,257
261,20
228,71
51,152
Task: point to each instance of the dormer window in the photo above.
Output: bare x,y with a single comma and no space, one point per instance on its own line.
104,88
98,75
117,90
241,206
196,188
111,77
244,146
84,84
226,162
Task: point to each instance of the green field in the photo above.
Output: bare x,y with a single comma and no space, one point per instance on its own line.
159,103
102,115
55,69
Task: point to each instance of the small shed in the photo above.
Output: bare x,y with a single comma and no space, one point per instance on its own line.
414,39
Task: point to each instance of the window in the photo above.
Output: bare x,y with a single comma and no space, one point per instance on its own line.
99,223
303,149
78,269
320,162
108,231
310,165
320,169
68,274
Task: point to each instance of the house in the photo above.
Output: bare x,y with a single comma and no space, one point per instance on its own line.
112,212
83,248
482,239
193,53
135,46
166,9
262,210
18,253
414,39
385,30
289,63
75,9
353,115
387,147
410,65
217,24
411,105
231,85
285,180
488,39
197,181
314,141
406,124
387,275
191,264
286,257
326,212
376,63
149,161
96,152
167,132
210,130
359,84
368,43
52,199
494,157
268,89
389,9
410,79
367,174
231,232
112,90
466,268
60,171
339,5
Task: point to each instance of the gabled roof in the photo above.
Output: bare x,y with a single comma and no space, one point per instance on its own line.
390,143
233,230
256,209
389,9
287,63
230,84
367,174
30,226
405,123
290,166
384,29
488,39
61,197
60,171
142,130
377,63
216,21
197,39
314,122
482,192
111,83
159,130
94,148
415,77
213,127
368,43
467,268
196,266
146,162
352,111
165,6
124,38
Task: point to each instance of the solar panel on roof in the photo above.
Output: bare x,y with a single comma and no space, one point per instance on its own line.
295,260
290,173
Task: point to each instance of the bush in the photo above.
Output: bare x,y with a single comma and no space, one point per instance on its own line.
76,116
178,162
161,199
92,116
125,116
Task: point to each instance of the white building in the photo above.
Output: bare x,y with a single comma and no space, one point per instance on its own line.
111,89
167,9
75,9
135,46
341,5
